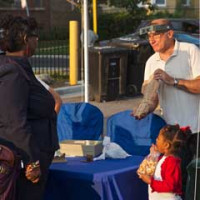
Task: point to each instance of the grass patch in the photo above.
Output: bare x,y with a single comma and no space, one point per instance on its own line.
59,80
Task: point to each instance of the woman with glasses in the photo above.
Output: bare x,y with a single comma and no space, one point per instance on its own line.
27,116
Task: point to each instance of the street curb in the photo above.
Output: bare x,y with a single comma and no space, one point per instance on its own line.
71,91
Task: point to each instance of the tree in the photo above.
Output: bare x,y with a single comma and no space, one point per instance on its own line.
6,3
132,7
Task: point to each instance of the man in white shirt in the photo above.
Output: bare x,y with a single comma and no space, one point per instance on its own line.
177,67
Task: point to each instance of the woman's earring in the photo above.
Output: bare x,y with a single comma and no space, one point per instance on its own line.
25,39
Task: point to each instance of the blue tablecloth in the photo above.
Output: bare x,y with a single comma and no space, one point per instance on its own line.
105,179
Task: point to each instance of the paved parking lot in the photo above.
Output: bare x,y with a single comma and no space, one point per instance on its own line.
110,107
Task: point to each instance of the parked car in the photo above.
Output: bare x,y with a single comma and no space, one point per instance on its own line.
186,37
186,30
139,50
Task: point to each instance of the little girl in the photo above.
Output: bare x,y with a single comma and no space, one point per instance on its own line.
166,183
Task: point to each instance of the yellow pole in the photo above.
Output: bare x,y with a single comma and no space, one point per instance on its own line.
73,52
95,16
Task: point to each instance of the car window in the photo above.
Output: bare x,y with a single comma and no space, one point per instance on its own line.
178,26
189,27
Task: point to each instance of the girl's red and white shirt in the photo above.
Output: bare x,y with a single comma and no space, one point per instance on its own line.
167,180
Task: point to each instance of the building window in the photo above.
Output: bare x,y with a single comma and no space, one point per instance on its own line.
155,2
17,3
160,2
186,2
145,3
38,3
6,3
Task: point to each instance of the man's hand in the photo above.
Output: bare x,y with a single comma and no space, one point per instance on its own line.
139,117
159,74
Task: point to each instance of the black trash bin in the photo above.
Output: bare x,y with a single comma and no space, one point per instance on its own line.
107,73
135,69
138,53
193,180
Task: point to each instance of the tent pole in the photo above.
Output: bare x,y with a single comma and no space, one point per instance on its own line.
86,60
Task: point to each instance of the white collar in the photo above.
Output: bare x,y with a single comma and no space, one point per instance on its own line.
176,48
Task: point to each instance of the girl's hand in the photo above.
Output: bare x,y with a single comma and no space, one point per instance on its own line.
145,178
153,149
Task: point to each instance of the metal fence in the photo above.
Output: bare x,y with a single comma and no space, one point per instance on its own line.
51,56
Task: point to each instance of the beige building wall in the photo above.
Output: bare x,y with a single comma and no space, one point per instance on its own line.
171,5
193,9
190,11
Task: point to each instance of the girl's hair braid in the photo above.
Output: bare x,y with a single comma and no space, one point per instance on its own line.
176,136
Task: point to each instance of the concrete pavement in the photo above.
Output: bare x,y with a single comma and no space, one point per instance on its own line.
76,94
109,108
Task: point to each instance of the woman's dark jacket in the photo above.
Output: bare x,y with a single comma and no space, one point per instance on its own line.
27,116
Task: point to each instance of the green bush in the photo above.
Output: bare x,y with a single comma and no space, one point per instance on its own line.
6,3
118,24
53,42
160,14
115,25
166,14
54,34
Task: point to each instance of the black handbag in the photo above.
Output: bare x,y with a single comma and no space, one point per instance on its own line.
9,170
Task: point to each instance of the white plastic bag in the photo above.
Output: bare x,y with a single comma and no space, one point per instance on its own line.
111,150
